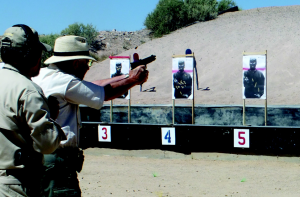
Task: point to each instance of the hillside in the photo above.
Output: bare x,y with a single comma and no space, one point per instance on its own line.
218,46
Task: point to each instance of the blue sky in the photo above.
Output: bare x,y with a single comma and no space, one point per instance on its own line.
123,15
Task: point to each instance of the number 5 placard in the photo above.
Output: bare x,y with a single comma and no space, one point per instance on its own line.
241,138
104,134
168,136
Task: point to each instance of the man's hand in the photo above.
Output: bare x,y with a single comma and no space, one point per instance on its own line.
139,74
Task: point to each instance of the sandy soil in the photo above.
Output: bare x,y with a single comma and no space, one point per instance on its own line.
218,46
106,173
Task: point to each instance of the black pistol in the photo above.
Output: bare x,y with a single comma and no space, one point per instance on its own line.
136,61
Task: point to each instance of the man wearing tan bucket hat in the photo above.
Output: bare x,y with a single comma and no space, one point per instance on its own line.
26,129
63,78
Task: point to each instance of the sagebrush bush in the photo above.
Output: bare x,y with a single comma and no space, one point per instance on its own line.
225,4
170,15
201,10
88,31
78,29
50,40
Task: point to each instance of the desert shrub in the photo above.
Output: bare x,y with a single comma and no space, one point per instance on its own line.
102,58
170,15
50,40
225,4
126,45
88,31
200,10
78,29
95,55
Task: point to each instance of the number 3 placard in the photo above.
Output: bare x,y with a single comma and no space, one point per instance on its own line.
168,136
104,134
241,138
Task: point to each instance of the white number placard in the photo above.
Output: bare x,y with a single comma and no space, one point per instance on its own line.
104,134
168,136
241,138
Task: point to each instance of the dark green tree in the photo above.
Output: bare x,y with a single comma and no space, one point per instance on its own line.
88,31
78,29
50,40
225,4
201,10
168,16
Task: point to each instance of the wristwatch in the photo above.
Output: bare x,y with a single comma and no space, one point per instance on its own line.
126,76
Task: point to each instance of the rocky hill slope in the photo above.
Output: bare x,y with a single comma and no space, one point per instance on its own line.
116,42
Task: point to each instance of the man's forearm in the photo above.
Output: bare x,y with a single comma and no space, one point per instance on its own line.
118,88
115,87
104,82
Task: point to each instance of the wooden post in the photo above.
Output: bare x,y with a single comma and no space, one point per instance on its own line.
193,108
193,100
266,112
173,112
244,118
129,111
111,102
266,106
129,101
111,110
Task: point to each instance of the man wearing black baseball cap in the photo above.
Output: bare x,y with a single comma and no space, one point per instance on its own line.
26,129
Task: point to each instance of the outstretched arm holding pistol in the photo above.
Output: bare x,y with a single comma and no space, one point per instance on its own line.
116,86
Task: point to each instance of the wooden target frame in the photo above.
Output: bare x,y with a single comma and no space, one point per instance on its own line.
193,92
264,53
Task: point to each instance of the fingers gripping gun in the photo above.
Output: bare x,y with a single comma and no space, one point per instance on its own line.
137,62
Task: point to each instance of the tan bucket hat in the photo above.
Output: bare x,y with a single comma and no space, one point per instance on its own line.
69,48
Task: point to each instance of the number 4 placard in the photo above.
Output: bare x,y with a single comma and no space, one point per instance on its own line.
104,134
241,138
168,136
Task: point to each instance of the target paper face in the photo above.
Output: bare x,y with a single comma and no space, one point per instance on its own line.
182,75
120,67
254,77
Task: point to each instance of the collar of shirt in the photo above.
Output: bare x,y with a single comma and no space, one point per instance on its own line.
10,67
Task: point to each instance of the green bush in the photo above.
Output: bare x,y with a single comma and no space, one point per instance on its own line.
77,29
201,10
88,31
170,15
50,40
225,4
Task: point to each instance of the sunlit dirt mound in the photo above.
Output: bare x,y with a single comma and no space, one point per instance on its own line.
218,46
